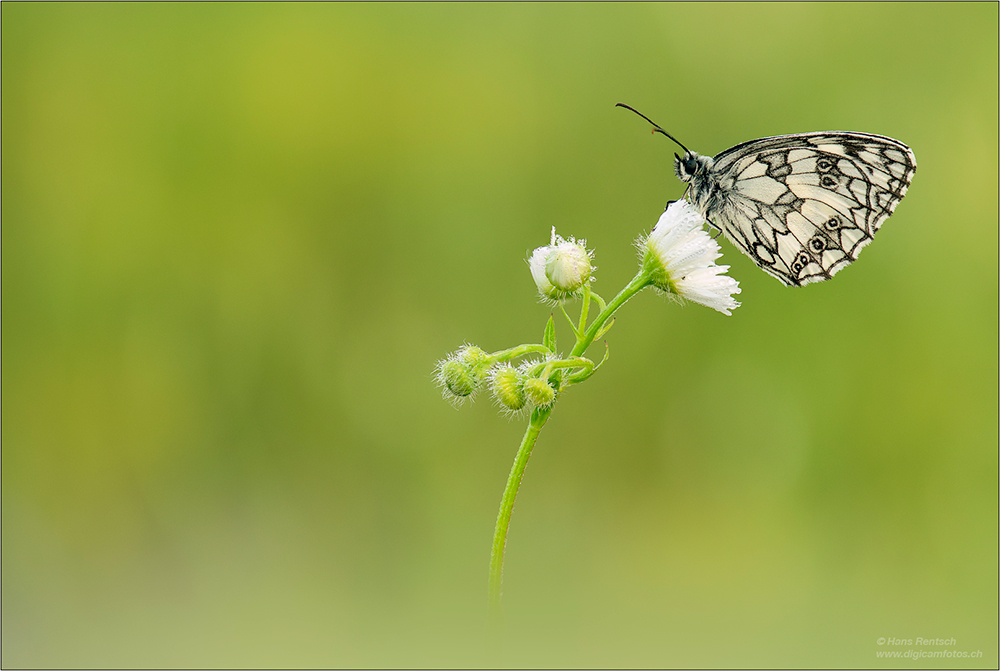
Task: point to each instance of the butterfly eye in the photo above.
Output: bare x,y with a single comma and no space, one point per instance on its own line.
690,165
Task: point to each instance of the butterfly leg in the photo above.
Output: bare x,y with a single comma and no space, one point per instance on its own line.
713,227
683,195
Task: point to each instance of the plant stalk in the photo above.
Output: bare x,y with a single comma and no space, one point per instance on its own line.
538,418
535,424
638,283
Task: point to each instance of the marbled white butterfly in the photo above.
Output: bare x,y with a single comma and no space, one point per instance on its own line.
800,206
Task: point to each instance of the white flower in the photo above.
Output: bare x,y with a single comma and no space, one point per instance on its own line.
680,256
561,268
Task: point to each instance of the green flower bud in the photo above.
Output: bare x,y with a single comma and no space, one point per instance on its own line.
473,357
456,378
539,392
507,385
462,373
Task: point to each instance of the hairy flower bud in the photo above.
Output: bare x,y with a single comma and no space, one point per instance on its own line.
462,373
473,357
539,392
561,268
457,378
507,385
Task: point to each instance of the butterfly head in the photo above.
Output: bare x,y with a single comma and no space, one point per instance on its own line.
691,165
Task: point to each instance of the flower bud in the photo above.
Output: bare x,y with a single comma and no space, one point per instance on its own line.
473,357
568,266
507,385
561,268
462,373
457,378
539,392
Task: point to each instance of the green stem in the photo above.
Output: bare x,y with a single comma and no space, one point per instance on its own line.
584,308
538,417
576,362
638,283
520,350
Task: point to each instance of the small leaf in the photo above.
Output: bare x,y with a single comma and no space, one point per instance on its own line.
607,352
549,337
604,329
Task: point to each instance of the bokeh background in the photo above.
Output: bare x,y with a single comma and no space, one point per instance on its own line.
237,237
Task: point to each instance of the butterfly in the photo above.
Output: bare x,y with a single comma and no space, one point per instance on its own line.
800,206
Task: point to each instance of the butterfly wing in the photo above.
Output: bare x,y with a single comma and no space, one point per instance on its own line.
803,206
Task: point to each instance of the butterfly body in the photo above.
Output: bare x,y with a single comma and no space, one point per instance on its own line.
800,206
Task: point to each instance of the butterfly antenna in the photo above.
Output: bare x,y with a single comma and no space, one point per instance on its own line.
656,126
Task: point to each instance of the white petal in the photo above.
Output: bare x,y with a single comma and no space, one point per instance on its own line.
687,255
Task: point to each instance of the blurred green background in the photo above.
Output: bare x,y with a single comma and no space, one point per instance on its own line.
236,238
